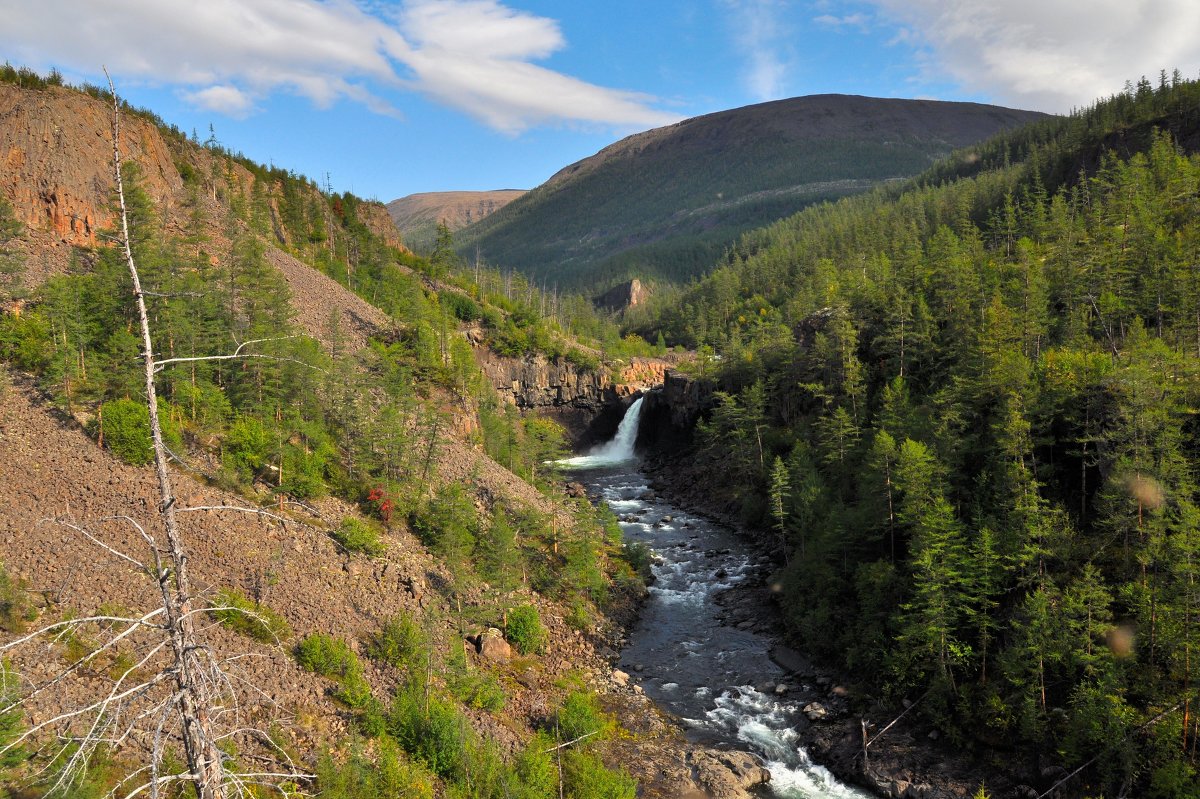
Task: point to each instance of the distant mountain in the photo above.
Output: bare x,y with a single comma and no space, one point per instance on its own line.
417,215
667,202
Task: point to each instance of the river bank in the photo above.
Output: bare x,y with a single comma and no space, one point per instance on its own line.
912,758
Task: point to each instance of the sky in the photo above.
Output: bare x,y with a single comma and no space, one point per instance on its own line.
386,98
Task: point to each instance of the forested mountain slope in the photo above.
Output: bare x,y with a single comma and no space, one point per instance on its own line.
364,526
966,411
667,202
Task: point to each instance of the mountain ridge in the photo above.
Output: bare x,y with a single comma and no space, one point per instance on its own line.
633,208
417,216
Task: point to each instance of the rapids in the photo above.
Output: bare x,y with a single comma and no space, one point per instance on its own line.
715,678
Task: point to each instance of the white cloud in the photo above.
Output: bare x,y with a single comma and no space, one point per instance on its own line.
1050,56
856,20
228,100
762,37
473,55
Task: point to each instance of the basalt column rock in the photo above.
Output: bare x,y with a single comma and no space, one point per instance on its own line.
670,412
589,403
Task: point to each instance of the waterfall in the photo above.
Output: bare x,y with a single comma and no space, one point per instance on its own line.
618,450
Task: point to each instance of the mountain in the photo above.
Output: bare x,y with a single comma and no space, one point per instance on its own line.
665,203
417,215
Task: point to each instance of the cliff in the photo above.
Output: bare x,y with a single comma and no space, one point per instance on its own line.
589,403
57,155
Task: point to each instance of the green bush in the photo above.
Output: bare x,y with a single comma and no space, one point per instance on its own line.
125,427
583,359
461,306
524,630
390,774
430,729
246,447
333,658
12,721
15,609
400,642
247,618
357,535
475,689
639,557
326,655
586,777
581,715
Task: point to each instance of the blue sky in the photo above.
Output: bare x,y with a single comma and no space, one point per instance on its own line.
392,98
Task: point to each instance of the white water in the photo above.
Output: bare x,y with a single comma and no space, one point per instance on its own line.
717,679
619,450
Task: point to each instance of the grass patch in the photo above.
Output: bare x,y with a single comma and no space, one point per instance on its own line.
253,620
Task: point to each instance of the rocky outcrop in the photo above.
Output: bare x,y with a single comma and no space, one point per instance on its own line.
56,160
589,403
377,219
670,412
629,294
536,381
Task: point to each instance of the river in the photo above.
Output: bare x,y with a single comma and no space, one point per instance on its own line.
718,680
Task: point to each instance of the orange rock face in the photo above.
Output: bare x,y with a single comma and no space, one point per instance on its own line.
57,155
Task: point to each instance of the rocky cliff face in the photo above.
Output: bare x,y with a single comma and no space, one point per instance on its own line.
589,403
56,160
629,294
670,412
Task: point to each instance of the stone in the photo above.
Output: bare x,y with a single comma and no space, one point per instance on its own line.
493,647
934,735
620,678
781,689
815,711
840,691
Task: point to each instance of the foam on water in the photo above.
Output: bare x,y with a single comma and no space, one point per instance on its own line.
619,450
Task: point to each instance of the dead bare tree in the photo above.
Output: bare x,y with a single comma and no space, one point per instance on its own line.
171,691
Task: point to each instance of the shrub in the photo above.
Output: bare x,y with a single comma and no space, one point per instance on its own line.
247,618
430,729
586,777
390,774
581,715
400,642
326,655
639,557
125,425
333,658
461,306
246,446
15,609
357,535
473,688
583,359
525,631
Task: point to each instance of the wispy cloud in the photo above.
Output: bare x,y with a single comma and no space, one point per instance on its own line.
226,55
857,20
761,35
1050,56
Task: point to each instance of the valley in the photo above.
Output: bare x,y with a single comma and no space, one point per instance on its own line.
876,475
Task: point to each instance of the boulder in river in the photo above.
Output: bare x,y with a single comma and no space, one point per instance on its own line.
729,775
815,711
